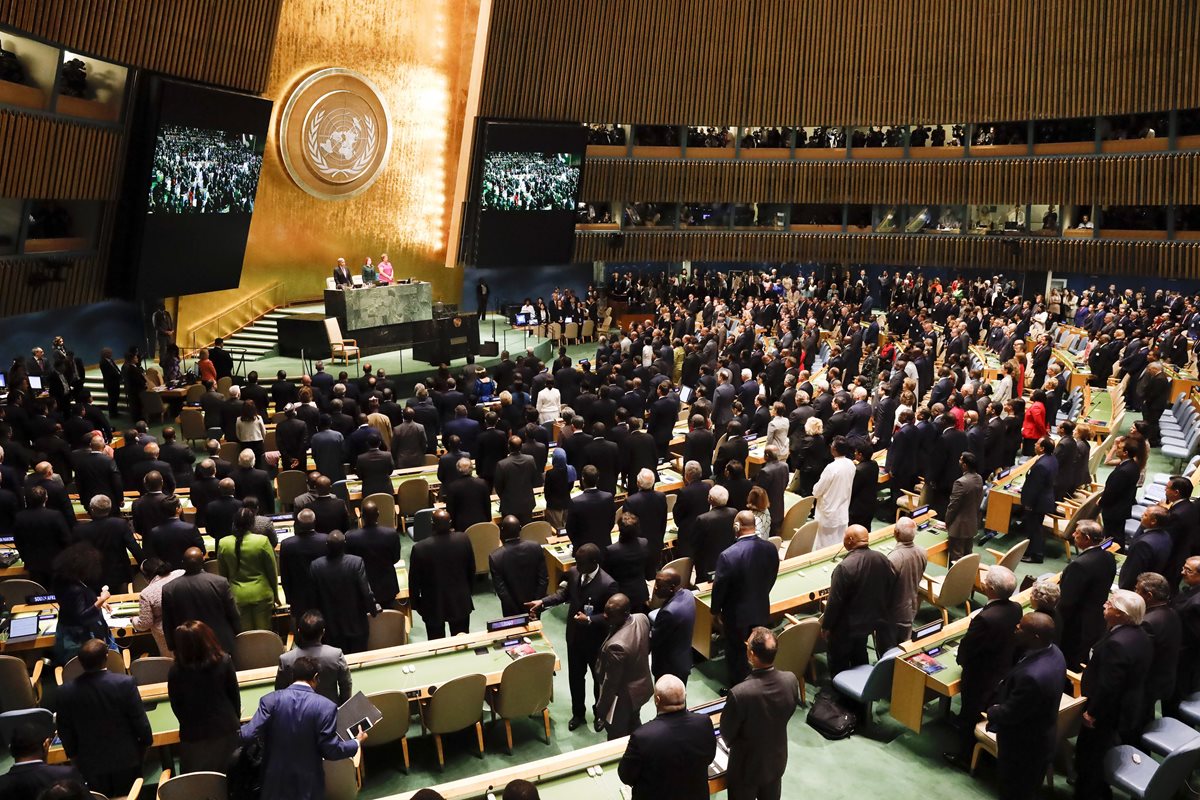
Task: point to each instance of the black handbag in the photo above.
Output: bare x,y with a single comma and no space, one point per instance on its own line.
244,774
830,718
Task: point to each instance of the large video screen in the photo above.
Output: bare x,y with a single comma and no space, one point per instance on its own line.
195,178
527,185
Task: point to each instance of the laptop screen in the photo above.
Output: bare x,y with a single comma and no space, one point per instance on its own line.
521,319
685,394
35,382
3,380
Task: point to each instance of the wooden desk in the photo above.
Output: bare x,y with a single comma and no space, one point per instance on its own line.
989,362
1004,494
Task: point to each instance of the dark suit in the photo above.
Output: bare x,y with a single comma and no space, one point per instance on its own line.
605,456
700,445
1184,524
204,597
343,594
1162,624
671,636
331,513
668,757
113,537
754,725
329,454
712,532
171,539
984,654
149,513
1037,500
516,477
583,638
741,595
773,478
40,534
251,482
374,469
1084,587
296,555
650,507
146,465
860,597
690,503
1148,553
590,519
626,562
519,576
409,444
219,515
441,572
379,548
468,500
1187,605
1024,719
96,474
1120,494
1113,686
104,729
25,781
864,494
640,453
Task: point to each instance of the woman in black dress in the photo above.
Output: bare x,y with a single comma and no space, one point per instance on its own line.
203,689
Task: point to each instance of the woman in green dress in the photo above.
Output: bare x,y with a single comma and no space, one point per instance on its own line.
247,560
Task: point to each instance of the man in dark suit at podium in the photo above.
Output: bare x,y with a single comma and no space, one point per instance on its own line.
341,275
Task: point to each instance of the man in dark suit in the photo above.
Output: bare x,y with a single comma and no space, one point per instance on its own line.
1120,494
291,437
732,447
690,502
1084,587
297,727
179,456
441,571
169,540
700,445
860,596
650,507
103,724
202,596
518,569
343,595
668,757
468,499
148,510
330,510
40,534
296,555
113,538
491,447
663,413
1024,715
220,511
152,463
864,492
712,532
605,456
723,398
754,722
1183,522
336,683
1155,391
374,468
640,453
516,477
409,441
773,477
902,457
985,653
379,548
1150,551
111,375
586,591
591,515
253,482
329,450
97,473
672,626
1187,606
741,593
1113,684
30,774
1163,625
1037,499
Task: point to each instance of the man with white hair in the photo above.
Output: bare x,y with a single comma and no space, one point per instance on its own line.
712,532
908,563
253,482
1113,683
669,755
985,654
650,507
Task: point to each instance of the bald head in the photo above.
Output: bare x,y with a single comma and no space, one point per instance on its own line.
744,521
670,694
856,536
193,560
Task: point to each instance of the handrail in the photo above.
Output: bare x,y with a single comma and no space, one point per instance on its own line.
237,316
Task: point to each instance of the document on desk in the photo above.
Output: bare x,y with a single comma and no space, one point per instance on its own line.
352,715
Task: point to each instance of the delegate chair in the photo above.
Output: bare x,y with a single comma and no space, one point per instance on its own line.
802,542
18,689
1009,560
485,540
394,726
152,405
41,719
229,451
1063,528
341,490
525,690
388,628
257,649
15,590
796,516
134,793
1147,779
117,662
422,526
796,645
1165,735
289,485
431,459
1070,716
224,385
150,669
192,396
684,566
339,346
954,588
538,531
414,495
191,425
193,786
343,778
387,508
456,705
868,682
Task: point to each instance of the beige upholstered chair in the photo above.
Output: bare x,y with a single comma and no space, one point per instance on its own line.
953,589
339,346
116,662
257,649
457,704
394,726
802,543
18,689
796,645
485,539
150,669
684,566
388,628
289,485
15,590
526,688
538,531
796,516
414,495
191,425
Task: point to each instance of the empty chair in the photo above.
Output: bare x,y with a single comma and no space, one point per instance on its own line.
134,792
684,567
802,542
150,669
389,628
212,567
116,662
387,508
457,704
257,649
431,459
152,405
526,688
796,644
485,540
538,531
342,778
40,719
422,524
18,689
229,451
289,485
1011,559
192,396
1146,778
191,424
868,682
339,346
15,590
953,589
414,495
394,726
1166,735
224,384
796,516
193,786
341,490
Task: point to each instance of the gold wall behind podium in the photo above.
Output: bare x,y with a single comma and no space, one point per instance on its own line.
418,55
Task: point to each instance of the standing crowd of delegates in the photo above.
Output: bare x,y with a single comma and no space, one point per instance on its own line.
746,348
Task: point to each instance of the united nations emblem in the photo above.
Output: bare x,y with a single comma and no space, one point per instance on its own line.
334,134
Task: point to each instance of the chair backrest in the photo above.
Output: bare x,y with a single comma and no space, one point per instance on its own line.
153,377
959,582
72,669
485,538
387,629
15,590
414,495
40,719
257,649
538,531
333,330
212,566
224,385
191,423
684,567
802,542
290,484
387,508
457,704
152,403
796,516
526,686
16,692
1012,559
270,442
1070,717
879,682
192,395
194,786
341,490
151,669
671,498
1088,509
431,459
330,284
422,524
396,715
229,451
1173,772
796,644
341,779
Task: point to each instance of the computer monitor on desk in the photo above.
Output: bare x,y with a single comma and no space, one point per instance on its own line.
35,382
521,320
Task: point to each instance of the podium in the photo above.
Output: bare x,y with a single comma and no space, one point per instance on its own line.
455,336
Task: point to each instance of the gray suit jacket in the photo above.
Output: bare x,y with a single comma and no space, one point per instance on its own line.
623,668
334,681
754,725
962,513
